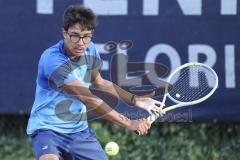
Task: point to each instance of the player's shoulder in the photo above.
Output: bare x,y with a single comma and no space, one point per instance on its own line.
91,49
54,53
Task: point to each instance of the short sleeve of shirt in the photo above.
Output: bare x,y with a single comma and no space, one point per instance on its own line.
94,59
57,70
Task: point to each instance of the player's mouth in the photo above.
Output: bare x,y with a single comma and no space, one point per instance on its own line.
79,50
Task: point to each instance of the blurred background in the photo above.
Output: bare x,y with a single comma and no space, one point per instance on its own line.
171,32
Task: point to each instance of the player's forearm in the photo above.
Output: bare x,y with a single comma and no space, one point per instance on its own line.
103,109
97,105
115,90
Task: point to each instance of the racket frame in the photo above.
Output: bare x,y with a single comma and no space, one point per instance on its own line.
179,104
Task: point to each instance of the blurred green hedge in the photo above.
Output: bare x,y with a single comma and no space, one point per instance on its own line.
165,141
174,142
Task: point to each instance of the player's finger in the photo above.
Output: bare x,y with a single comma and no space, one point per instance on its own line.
148,124
144,130
158,103
141,130
138,131
155,111
145,126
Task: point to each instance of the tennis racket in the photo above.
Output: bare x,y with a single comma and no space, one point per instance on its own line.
190,84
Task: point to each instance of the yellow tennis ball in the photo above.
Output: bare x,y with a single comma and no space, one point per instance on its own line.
178,95
112,148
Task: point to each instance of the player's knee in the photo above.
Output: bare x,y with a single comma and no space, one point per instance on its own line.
49,157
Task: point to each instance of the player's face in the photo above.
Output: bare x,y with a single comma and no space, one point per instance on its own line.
76,40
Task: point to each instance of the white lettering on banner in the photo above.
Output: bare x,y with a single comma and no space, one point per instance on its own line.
190,7
194,51
230,66
108,7
228,7
150,7
166,49
44,6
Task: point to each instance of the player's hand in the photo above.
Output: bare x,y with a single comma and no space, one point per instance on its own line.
150,105
140,127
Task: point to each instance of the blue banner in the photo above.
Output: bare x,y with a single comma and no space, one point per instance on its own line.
170,32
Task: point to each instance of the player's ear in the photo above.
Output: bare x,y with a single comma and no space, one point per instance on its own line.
64,33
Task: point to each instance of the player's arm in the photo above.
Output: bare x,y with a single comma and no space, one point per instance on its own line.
84,95
108,87
60,78
144,102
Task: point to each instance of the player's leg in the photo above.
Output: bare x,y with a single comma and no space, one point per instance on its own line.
86,146
45,145
49,157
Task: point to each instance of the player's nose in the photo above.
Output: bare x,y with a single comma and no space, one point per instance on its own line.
80,42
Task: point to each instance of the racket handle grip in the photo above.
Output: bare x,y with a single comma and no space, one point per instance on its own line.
136,132
150,120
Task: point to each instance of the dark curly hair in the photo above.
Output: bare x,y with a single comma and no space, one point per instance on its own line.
79,14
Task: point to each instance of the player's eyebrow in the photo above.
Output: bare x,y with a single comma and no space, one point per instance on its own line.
76,33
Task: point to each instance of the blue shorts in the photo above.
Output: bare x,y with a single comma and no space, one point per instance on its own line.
72,146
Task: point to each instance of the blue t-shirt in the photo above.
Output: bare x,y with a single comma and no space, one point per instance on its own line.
52,108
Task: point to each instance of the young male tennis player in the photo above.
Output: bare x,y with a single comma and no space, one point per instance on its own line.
65,72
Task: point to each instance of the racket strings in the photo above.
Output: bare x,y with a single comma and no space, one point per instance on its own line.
182,89
204,89
196,93
200,91
189,95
